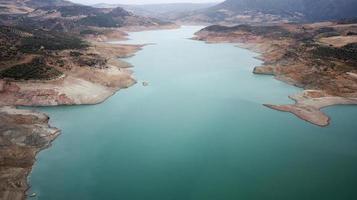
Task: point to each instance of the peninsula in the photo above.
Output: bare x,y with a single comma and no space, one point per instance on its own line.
319,57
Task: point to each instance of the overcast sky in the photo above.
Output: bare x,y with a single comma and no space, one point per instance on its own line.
88,2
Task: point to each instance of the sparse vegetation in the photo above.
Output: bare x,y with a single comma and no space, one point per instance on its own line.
89,32
50,41
101,20
346,53
73,10
35,70
273,31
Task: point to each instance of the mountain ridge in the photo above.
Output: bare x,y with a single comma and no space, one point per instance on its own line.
275,11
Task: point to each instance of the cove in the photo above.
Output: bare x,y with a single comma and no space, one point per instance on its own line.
197,132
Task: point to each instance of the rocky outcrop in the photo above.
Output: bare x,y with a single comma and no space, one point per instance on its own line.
264,70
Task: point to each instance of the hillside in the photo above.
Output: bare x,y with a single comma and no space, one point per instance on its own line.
161,11
271,11
68,17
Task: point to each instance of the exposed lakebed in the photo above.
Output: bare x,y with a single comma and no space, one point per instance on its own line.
198,131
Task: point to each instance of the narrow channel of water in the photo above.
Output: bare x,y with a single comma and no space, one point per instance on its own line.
197,132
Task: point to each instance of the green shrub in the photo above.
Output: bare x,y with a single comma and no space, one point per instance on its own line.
101,20
51,41
36,70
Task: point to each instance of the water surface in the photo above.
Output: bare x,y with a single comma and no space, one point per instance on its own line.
197,132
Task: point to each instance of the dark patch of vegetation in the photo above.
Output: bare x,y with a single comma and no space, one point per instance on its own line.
346,53
74,10
89,32
218,28
4,8
216,16
115,18
92,60
42,40
328,34
36,70
75,54
9,38
351,47
45,3
348,21
272,31
7,53
101,20
325,30
119,12
350,33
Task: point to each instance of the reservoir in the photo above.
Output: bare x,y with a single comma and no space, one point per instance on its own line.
198,131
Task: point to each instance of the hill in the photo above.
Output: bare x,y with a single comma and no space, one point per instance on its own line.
60,15
263,11
164,11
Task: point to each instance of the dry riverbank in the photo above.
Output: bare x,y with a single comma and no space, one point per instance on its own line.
88,76
78,84
294,54
23,134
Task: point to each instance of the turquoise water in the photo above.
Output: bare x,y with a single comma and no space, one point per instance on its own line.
197,132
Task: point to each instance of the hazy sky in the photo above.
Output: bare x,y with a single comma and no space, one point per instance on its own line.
141,1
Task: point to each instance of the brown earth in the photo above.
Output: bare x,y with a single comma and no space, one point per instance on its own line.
23,134
339,41
85,80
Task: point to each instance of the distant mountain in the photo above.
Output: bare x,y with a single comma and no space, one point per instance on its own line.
26,6
61,15
161,11
329,9
311,10
43,3
262,11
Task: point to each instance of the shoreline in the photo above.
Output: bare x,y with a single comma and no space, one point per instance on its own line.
308,104
30,134
75,87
